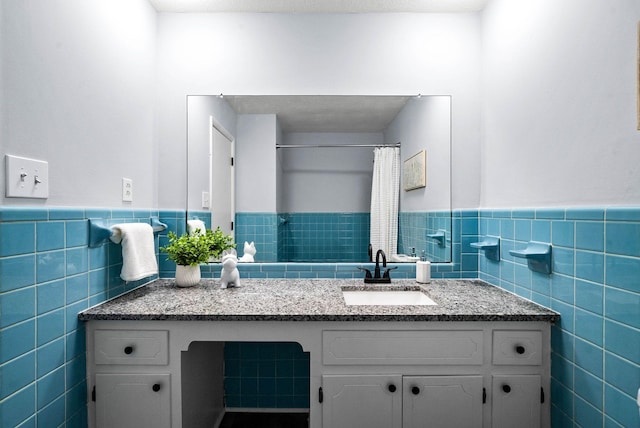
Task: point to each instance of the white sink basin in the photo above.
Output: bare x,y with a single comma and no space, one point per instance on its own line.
386,297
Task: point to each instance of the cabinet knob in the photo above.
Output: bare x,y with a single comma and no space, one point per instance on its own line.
506,388
520,349
391,387
415,390
128,350
156,387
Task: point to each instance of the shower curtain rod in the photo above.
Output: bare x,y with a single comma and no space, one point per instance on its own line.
308,146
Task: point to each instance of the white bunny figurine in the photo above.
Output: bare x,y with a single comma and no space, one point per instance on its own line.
249,252
230,276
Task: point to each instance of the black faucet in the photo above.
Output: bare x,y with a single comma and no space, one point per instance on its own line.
384,263
376,278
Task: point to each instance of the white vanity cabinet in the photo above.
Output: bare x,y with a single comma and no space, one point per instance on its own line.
387,374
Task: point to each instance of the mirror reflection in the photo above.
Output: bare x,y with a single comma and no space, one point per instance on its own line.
295,175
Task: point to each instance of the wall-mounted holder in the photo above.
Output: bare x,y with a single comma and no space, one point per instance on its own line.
491,247
538,255
438,236
100,232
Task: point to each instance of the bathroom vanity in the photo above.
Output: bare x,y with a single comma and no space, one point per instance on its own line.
478,357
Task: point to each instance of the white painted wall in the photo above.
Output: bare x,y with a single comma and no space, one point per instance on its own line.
78,90
327,179
199,110
382,54
256,163
425,124
559,103
558,90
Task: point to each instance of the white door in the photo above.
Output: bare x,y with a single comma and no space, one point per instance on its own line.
367,401
442,402
222,182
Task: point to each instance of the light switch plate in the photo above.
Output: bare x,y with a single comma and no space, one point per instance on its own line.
205,199
26,178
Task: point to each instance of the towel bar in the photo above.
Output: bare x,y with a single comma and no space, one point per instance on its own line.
100,231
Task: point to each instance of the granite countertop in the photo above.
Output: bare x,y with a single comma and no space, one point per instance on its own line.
314,300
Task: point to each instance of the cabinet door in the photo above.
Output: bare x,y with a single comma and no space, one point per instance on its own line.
362,401
442,401
133,400
516,401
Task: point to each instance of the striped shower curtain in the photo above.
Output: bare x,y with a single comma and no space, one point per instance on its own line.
385,195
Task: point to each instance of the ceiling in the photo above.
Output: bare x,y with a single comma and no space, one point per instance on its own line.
320,6
323,113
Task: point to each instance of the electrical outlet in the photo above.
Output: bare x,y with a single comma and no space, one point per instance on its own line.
26,178
127,190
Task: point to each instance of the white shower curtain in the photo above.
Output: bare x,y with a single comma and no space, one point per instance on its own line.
385,194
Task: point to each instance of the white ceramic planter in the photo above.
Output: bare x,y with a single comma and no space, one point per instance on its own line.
187,276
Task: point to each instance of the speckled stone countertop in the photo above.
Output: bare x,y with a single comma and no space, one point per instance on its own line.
314,300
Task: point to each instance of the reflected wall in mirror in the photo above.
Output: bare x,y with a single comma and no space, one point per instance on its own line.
303,172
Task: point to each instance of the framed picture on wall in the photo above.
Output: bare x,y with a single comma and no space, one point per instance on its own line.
414,171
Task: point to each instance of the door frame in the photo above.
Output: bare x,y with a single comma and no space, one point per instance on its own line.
215,124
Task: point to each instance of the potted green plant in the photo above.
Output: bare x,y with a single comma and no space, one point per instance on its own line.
218,242
187,251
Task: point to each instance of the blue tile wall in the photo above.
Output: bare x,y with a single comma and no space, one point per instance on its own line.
413,228
266,375
324,237
464,231
338,237
47,275
595,286
464,263
262,229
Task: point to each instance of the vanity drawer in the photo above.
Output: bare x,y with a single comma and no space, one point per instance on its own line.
518,348
131,347
402,347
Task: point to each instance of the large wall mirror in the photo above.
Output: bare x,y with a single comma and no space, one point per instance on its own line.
300,182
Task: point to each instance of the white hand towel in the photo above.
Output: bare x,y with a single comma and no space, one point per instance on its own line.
192,225
138,250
